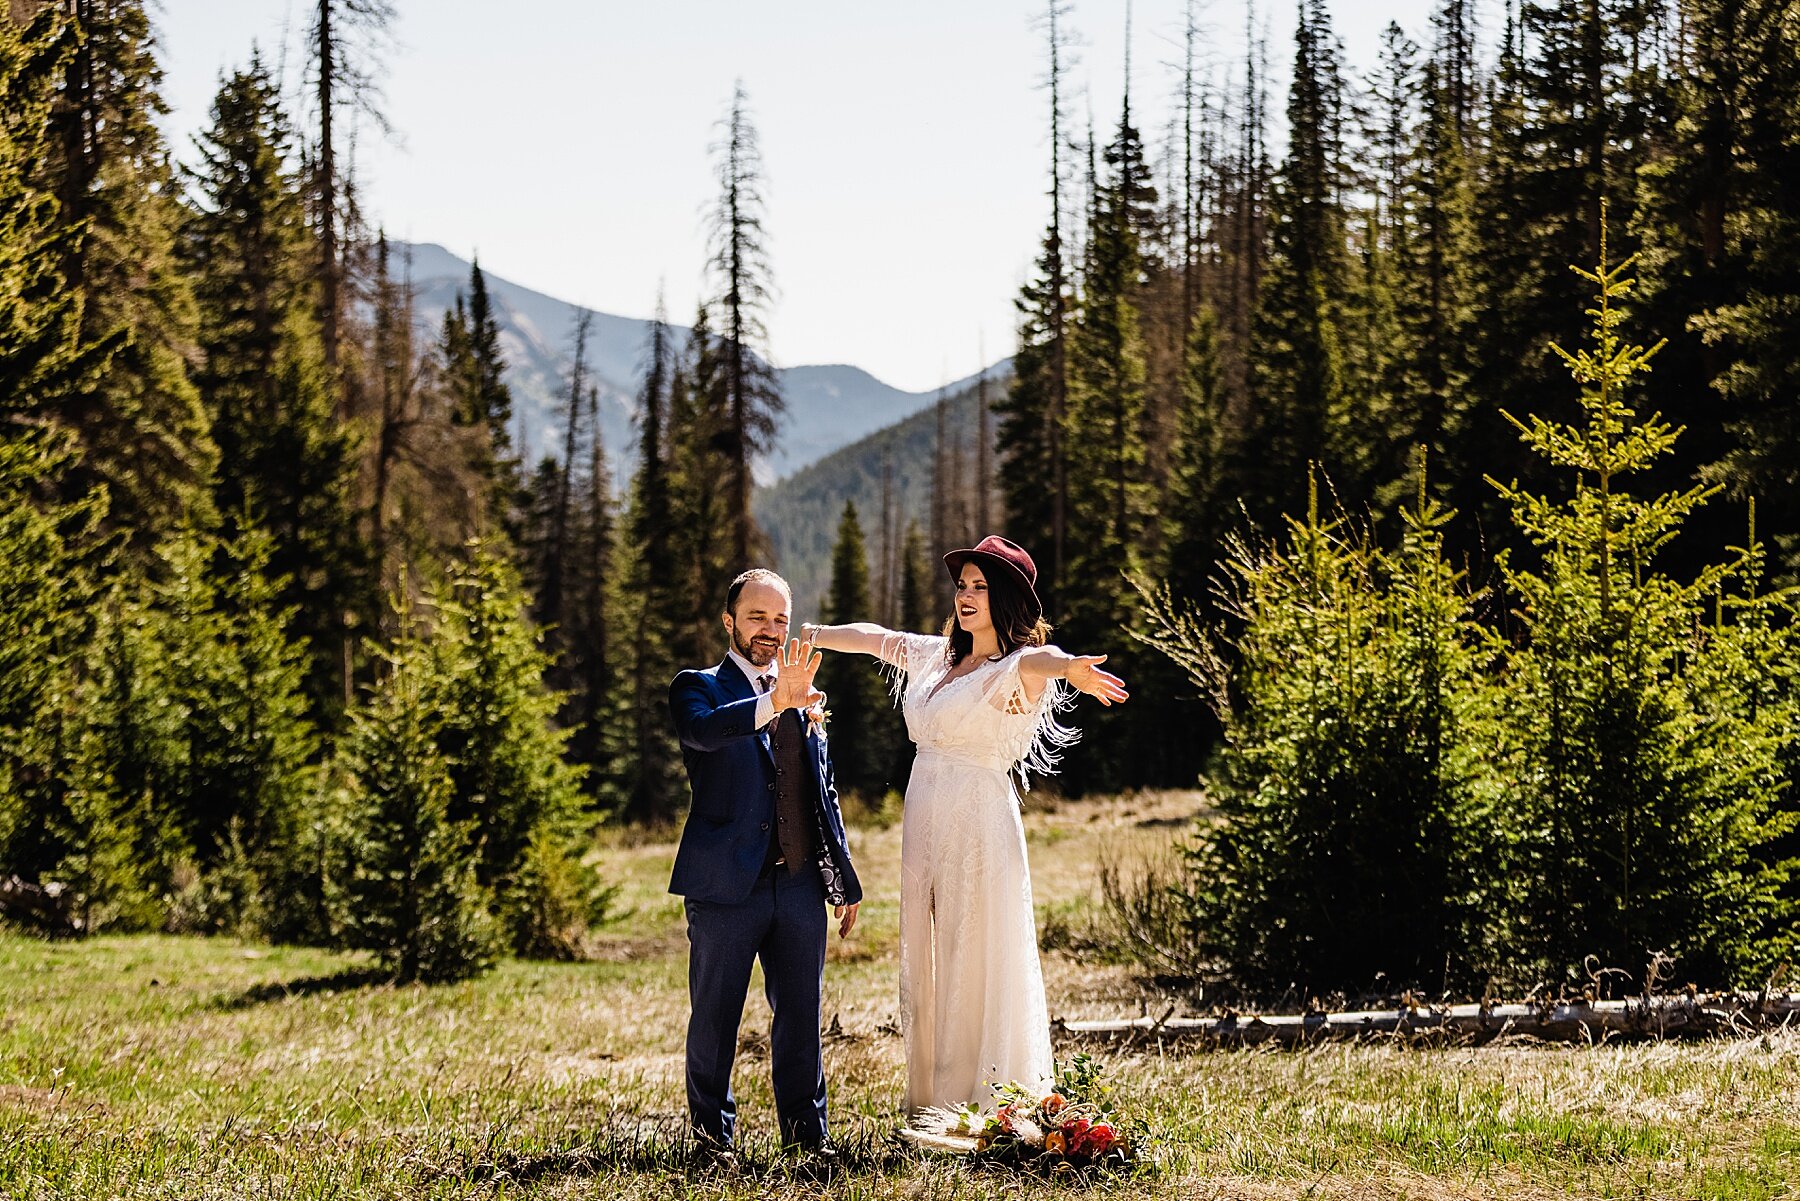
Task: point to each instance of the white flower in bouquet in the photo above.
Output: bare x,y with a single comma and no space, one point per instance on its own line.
965,1121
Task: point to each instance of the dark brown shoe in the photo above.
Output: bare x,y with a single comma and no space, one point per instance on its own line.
711,1155
818,1162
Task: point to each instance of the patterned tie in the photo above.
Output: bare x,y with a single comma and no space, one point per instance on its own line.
766,685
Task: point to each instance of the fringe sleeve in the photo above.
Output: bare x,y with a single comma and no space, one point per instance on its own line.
1050,737
905,655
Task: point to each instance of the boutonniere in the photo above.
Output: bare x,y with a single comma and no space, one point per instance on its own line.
818,715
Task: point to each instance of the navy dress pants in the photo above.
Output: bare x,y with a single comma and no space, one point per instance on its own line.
782,923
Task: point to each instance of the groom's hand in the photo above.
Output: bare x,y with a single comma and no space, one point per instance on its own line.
794,682
846,916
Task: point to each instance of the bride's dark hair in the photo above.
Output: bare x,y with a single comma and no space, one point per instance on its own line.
1017,619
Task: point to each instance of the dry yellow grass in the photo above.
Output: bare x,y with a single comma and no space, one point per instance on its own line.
187,1068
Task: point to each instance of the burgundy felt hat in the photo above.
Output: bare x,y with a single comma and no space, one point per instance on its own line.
994,553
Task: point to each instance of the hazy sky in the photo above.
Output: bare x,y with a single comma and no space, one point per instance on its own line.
905,144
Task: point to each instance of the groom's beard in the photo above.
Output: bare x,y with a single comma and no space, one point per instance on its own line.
759,651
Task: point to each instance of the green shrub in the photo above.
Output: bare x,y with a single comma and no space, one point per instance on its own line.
511,789
1403,794
70,812
1645,787
407,889
1348,843
553,900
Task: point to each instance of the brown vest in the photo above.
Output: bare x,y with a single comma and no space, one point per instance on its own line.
796,826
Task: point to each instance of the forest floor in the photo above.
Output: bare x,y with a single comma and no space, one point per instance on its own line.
163,1067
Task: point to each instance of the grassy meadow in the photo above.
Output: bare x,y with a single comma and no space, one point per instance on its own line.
159,1067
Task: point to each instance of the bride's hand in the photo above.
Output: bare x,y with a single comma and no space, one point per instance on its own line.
1084,675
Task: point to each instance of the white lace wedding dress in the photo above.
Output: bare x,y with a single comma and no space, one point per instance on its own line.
971,989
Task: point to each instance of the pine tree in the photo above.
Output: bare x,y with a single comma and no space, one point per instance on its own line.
942,478
1199,507
740,267
492,399
577,597
456,359
408,889
594,709
886,585
511,787
650,600
392,388
1726,228
1352,777
918,612
1437,317
134,734
48,599
234,677
1644,805
1033,414
48,548
68,814
860,732
44,354
480,401
575,568
982,514
553,598
1372,437
429,488
284,456
1247,215
1454,61
198,718
1748,678
700,449
1578,94
1111,497
1107,362
1298,392
342,62
1189,224
538,503
142,428
99,831
918,599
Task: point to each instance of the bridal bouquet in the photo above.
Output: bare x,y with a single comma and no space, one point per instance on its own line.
1071,1127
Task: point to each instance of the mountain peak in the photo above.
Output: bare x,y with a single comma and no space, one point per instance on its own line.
829,405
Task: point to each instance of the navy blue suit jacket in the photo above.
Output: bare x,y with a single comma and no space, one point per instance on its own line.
731,774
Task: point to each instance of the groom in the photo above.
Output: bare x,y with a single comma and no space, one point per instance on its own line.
763,852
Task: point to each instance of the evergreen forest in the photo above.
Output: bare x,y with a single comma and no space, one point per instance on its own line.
1421,443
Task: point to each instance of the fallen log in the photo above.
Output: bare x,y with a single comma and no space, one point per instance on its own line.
1685,1015
49,907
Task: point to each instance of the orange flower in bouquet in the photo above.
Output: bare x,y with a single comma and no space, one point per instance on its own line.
1071,1128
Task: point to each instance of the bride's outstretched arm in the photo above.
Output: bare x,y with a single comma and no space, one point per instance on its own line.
859,637
1081,671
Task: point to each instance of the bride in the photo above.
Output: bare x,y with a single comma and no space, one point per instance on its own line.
981,701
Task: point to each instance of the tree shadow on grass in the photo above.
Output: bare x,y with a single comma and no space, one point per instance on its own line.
305,986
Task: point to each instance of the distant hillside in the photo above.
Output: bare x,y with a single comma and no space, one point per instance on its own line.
801,513
828,406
